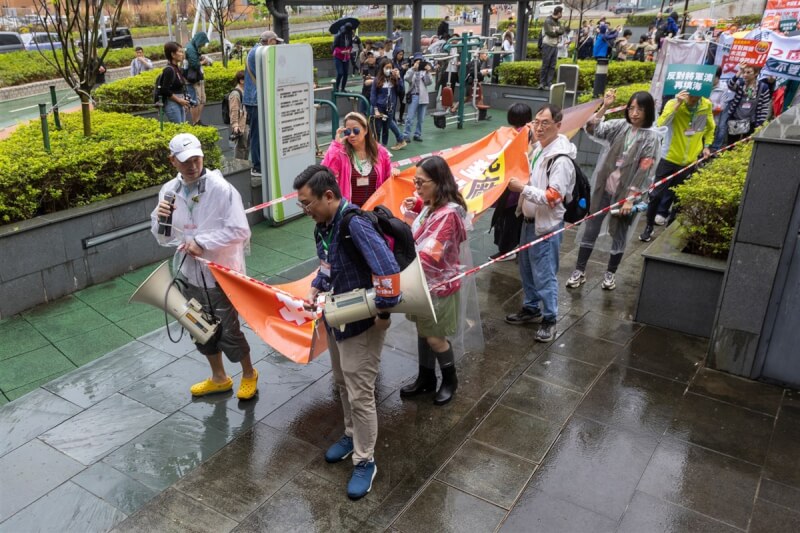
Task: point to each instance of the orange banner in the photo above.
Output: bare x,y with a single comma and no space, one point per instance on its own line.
482,170
276,313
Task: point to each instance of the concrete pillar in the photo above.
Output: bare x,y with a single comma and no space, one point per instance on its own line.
486,20
389,20
416,26
521,44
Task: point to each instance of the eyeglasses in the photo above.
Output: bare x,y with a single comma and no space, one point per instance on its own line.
306,207
353,131
543,123
419,182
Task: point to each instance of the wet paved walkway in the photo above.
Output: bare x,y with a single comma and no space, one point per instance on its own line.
615,426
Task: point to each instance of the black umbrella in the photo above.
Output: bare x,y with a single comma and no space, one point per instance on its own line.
336,26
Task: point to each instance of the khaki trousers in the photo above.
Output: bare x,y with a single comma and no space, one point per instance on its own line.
355,363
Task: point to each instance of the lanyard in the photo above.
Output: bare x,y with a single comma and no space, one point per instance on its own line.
357,163
327,242
693,112
535,159
629,140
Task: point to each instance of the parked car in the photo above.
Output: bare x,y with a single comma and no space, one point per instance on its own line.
40,40
545,9
121,39
10,41
624,8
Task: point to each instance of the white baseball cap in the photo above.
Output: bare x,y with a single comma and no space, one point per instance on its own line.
185,145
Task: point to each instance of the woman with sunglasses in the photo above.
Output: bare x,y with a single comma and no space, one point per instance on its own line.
359,163
439,228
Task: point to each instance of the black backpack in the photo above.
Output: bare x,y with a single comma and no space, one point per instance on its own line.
226,109
579,205
397,234
158,95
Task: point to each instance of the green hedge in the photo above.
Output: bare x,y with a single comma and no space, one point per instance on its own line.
136,94
526,73
624,94
710,201
17,68
642,21
123,154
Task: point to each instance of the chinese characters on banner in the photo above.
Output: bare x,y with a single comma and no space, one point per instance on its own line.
749,51
780,14
697,79
784,58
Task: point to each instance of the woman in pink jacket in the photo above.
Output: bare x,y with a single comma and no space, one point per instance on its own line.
439,230
359,163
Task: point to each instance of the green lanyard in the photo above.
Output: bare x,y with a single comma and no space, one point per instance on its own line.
327,242
535,159
358,166
629,141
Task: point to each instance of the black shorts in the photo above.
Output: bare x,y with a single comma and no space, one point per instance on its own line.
229,338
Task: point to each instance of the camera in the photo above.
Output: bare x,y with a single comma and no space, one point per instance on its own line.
235,136
192,101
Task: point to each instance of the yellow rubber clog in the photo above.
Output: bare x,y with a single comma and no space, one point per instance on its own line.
248,387
210,387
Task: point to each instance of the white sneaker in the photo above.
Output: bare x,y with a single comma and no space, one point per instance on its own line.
255,173
609,281
576,279
660,221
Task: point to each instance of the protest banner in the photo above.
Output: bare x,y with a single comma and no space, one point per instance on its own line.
697,79
749,51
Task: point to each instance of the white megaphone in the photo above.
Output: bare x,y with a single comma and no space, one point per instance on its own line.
415,299
159,291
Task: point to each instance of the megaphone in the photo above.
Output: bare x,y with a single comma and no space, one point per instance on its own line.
158,291
358,304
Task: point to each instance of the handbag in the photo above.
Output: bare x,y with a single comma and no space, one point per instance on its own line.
192,75
409,97
738,126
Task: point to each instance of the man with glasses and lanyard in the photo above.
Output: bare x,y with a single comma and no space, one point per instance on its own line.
363,263
541,202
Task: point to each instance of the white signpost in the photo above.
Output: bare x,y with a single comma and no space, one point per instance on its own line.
285,82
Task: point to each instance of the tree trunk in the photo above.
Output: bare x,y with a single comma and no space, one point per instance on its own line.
86,112
222,47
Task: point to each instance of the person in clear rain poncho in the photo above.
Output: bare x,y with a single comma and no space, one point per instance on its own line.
440,231
632,150
207,222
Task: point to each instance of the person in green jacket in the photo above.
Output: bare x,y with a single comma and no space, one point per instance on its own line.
690,131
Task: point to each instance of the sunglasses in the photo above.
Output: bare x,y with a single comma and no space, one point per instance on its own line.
354,131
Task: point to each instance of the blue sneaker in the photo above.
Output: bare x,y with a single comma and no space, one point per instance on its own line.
361,480
340,451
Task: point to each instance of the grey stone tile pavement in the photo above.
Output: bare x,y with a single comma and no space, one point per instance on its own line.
614,426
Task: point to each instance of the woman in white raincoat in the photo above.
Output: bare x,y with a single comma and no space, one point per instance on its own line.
440,228
626,166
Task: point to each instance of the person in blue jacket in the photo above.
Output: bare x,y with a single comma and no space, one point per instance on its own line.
672,27
386,92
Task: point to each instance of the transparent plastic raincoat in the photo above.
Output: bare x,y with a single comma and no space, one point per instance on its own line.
626,165
210,211
443,248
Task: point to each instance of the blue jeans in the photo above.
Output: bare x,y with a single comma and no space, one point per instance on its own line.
255,148
538,267
174,112
382,128
342,72
416,113
722,130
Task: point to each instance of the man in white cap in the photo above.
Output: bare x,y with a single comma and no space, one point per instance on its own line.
250,99
207,221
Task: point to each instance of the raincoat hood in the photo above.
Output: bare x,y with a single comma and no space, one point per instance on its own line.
199,40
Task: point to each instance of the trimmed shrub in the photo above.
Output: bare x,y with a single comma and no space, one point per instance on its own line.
123,154
17,68
624,94
710,201
526,73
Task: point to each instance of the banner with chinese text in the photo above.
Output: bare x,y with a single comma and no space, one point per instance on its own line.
697,79
749,51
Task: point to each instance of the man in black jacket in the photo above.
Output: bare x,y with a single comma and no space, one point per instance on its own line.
551,33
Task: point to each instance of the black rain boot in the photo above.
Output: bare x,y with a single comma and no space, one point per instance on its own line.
426,379
449,379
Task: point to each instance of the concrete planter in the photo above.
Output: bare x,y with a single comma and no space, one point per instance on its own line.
51,256
679,291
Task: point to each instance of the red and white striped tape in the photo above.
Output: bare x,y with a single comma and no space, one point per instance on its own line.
587,217
271,202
